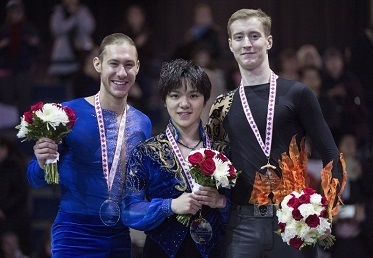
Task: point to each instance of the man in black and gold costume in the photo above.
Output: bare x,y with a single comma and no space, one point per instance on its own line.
259,119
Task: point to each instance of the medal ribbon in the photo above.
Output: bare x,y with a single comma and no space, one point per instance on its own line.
109,175
180,157
270,114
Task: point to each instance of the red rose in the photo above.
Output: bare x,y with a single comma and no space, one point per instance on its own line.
71,115
281,226
324,201
222,157
29,117
296,214
195,158
209,154
296,242
304,198
208,166
312,221
324,214
37,106
293,202
309,191
232,172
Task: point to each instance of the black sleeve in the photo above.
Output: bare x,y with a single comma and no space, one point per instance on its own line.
318,131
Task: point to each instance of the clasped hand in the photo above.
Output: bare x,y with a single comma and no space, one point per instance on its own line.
210,196
192,202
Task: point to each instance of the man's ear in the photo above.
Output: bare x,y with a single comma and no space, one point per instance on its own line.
230,44
97,64
270,42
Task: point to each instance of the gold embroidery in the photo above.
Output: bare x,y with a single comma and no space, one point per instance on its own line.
218,112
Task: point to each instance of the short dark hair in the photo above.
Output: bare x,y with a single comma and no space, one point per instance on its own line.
175,73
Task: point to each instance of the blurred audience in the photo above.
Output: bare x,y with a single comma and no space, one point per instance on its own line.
202,57
232,77
71,25
45,250
308,54
312,77
11,113
347,225
14,193
361,63
19,41
204,32
345,88
10,246
88,78
288,65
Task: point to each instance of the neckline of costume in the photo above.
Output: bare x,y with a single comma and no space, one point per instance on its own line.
179,155
190,148
109,175
266,147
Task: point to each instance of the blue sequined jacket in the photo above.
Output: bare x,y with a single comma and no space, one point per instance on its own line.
154,177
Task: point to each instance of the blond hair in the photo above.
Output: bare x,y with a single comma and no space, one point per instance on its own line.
244,14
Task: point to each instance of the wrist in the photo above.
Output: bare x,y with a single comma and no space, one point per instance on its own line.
167,207
222,201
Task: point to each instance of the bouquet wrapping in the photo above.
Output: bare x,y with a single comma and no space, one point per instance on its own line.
212,169
48,120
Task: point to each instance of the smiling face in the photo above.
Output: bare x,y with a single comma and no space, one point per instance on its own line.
118,67
185,105
249,43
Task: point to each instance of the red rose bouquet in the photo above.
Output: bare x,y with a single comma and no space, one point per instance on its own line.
48,120
210,168
303,219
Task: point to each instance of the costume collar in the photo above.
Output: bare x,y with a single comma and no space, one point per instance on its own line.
176,134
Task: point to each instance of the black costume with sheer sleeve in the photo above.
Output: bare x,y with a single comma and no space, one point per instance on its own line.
297,112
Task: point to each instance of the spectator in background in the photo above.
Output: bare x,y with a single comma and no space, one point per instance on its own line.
308,54
204,32
12,116
14,193
87,78
233,77
19,43
45,249
71,25
312,77
347,225
362,66
202,57
10,246
288,64
345,88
